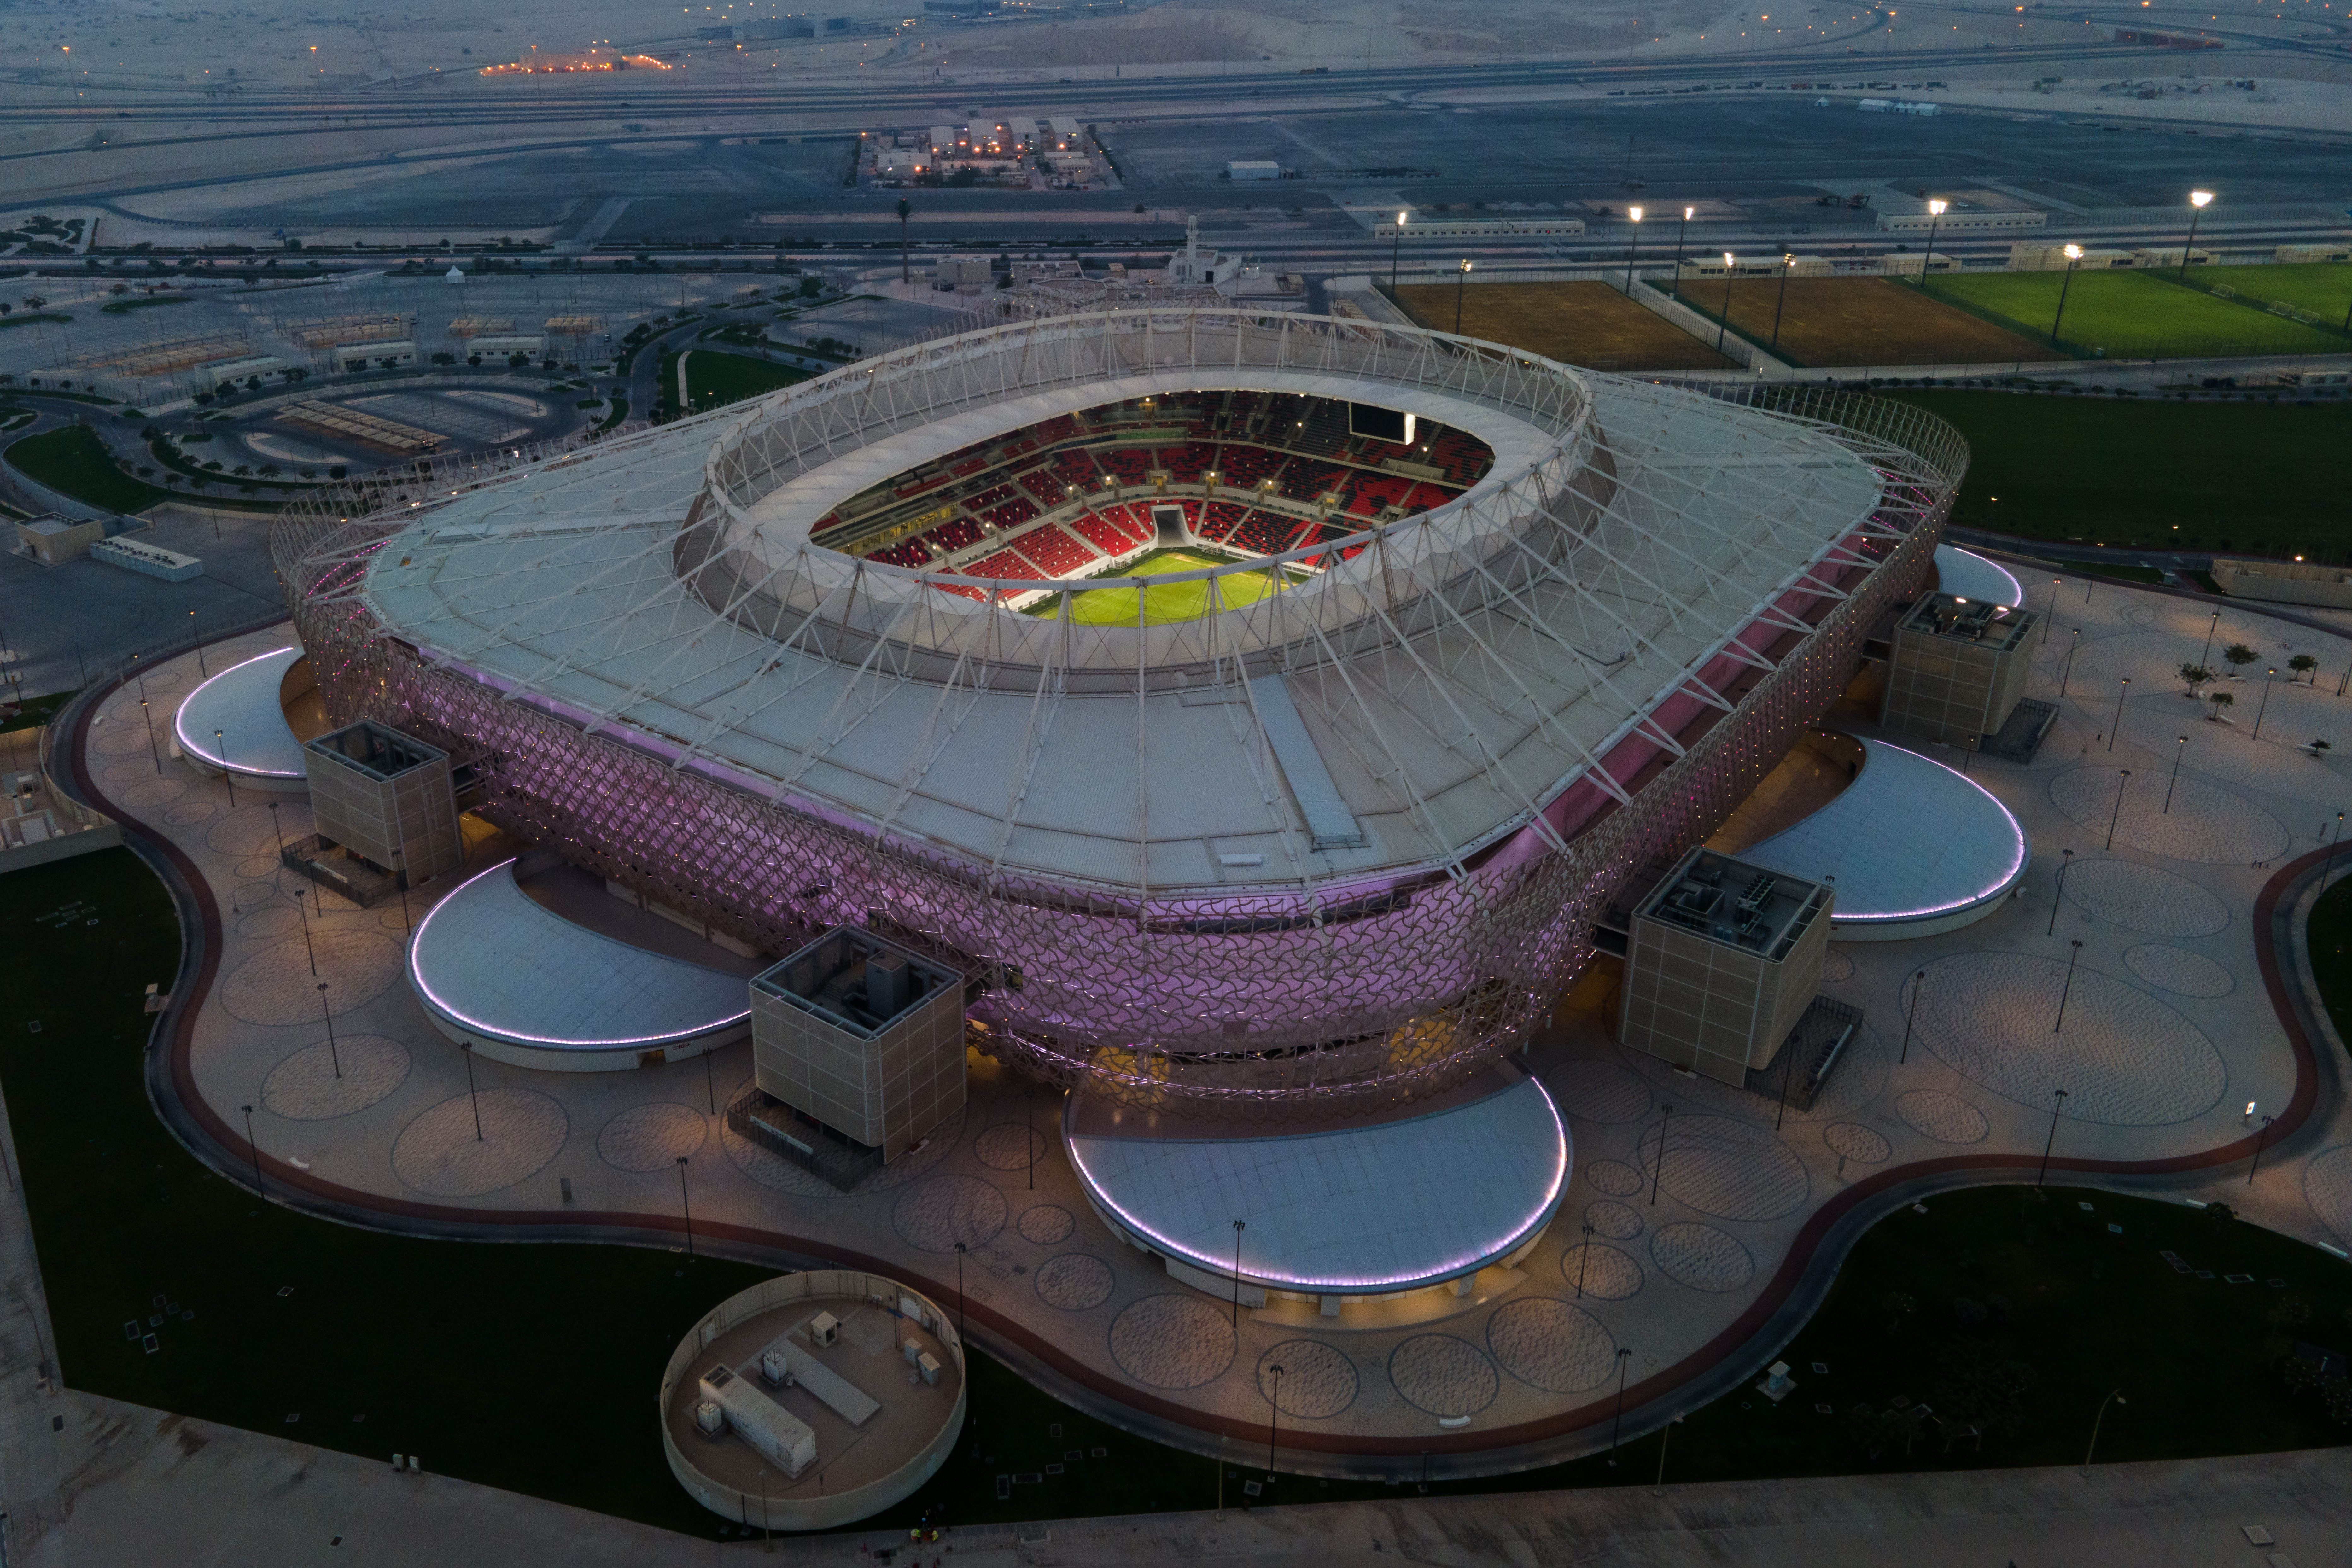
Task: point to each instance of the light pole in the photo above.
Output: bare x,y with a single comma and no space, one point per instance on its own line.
2060,894
685,1205
1658,1173
1722,327
1633,235
710,1082
1396,247
2265,706
1461,281
2074,255
276,832
1274,1424
196,634
2058,1103
2210,627
1617,1429
1788,265
148,718
2260,1139
254,1149
2052,615
1584,1260
1239,1226
2328,865
328,1014
306,933
1678,244
1918,983
2122,783
2197,200
468,1052
2115,1398
1934,219
2066,674
2068,989
2176,749
227,777
2121,693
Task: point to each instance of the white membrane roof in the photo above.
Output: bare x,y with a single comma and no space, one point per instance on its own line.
1361,1209
241,703
1965,574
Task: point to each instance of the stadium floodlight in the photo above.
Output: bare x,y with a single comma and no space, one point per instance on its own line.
1678,244
1729,266
1630,235
2074,255
1460,280
2197,200
1788,265
1936,210
1396,244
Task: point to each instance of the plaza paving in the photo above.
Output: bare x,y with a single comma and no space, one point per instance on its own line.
1700,1217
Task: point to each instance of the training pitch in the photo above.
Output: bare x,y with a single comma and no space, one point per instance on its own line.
1859,321
1172,602
2137,314
1591,323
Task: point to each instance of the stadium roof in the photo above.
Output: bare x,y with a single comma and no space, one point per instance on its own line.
1403,709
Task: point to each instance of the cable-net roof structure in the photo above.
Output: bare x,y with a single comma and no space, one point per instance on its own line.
1338,841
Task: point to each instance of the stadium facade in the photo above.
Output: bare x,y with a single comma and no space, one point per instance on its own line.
1327,834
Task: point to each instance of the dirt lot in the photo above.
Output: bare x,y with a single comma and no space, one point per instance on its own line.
1591,324
1860,321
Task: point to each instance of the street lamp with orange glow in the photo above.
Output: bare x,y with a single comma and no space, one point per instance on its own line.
2197,200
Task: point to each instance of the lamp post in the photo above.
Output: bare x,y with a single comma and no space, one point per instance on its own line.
2066,674
306,933
468,1052
1788,265
2176,749
328,1014
196,635
1396,246
1934,219
276,832
2060,893
2197,200
2115,1398
226,778
1584,1260
2068,989
1722,327
1633,235
1274,1423
2121,693
2265,706
1679,228
2123,784
2260,1139
685,1205
1658,1173
1461,281
710,1082
1617,1429
254,1149
2052,614
2210,627
1239,1226
2328,865
2074,255
148,718
2058,1103
1918,983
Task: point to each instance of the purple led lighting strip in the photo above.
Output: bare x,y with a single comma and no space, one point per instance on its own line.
221,763
442,1004
1460,1263
2016,860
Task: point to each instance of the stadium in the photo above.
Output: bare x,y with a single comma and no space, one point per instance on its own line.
1256,712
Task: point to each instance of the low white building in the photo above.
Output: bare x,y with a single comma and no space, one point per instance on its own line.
1252,170
2035,257
1958,223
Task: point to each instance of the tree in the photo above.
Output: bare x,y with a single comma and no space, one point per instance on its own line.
2304,664
269,471
2196,675
2220,699
445,357
2238,655
905,209
336,472
811,286
2320,749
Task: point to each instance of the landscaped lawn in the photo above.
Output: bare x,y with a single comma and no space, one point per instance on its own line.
2133,314
73,461
2261,477
714,379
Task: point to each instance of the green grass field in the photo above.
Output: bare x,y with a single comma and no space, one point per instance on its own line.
74,461
1176,601
2261,477
2134,315
714,379
2323,288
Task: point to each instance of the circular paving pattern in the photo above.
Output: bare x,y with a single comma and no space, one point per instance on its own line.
1731,1170
270,922
1075,1281
1614,1177
1172,1341
1318,1381
149,792
2327,1188
932,1215
1601,1092
393,920
1852,1140
250,895
275,987
652,1137
188,813
773,1171
1701,1257
256,865
2276,765
2180,971
120,736
2124,1059
1443,1375
1551,1345
1046,1225
2207,823
2144,899
247,829
1603,1272
128,770
1618,1222
1007,1147
306,1088
1836,967
439,1156
1945,1118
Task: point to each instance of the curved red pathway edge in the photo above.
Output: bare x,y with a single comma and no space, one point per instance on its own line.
236,1156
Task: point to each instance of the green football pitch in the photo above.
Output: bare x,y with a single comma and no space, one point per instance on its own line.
1174,602
2317,288
2139,314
